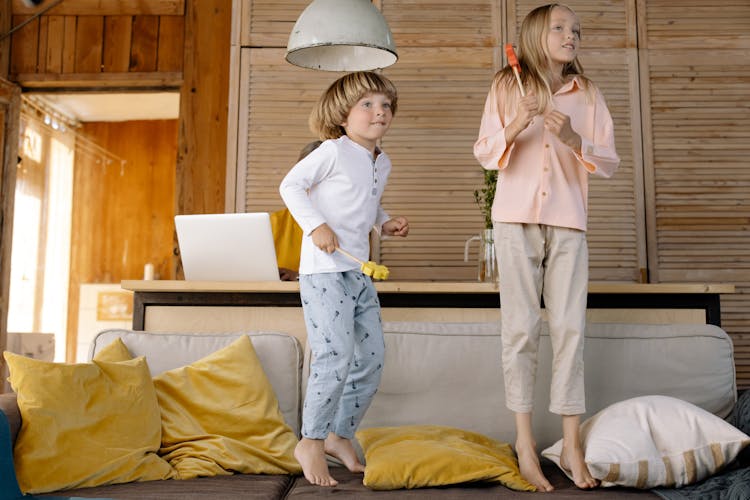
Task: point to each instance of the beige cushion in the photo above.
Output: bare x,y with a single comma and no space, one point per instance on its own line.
653,441
429,364
280,355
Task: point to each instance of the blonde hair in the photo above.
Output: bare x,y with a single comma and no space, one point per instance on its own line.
533,56
334,105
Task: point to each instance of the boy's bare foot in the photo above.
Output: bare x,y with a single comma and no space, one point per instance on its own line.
310,453
531,470
572,459
342,449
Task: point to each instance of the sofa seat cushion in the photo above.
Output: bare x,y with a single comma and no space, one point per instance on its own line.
350,486
244,486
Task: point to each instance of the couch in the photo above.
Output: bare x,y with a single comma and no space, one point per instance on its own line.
444,374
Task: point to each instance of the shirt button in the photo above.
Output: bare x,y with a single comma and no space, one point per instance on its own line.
546,145
544,193
546,169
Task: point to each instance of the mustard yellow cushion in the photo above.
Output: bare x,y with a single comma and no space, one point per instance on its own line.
220,415
287,238
85,424
431,455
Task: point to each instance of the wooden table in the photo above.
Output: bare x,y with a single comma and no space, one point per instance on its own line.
406,294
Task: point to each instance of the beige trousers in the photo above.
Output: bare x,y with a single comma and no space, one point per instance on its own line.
549,262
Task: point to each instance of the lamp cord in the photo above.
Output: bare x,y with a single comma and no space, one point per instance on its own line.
27,21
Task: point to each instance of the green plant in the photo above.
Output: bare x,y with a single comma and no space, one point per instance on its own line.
485,196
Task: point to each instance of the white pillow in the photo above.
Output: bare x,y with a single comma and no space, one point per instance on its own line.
653,441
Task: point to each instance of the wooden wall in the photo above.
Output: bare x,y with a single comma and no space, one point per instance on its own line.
122,214
136,44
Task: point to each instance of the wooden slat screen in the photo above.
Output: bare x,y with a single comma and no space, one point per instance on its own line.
447,60
696,76
441,97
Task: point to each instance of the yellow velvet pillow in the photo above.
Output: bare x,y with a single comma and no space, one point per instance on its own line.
114,352
419,456
220,415
85,424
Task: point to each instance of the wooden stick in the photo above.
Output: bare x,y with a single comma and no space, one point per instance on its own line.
515,66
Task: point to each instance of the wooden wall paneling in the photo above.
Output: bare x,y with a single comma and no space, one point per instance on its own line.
107,8
441,23
441,98
118,32
89,44
269,21
697,78
700,120
276,103
55,42
43,43
701,24
144,43
24,46
10,107
69,45
122,217
5,26
171,43
201,161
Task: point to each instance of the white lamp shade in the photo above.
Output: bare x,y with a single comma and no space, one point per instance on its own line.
341,35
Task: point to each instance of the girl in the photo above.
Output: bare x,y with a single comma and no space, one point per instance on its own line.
334,195
545,145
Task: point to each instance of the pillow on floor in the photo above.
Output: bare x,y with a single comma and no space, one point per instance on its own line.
85,424
653,441
220,415
431,455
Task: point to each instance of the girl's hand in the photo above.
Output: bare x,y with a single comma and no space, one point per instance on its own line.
324,238
559,124
398,226
528,108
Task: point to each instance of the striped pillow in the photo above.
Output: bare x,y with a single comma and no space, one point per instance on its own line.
653,441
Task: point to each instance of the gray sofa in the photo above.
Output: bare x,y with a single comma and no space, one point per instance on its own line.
446,374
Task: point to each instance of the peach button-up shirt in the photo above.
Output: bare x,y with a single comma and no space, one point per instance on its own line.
541,180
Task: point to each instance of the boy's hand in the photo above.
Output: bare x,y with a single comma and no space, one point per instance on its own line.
324,238
398,226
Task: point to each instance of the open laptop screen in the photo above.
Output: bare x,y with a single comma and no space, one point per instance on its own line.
227,247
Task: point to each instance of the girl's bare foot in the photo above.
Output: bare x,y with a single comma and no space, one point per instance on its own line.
572,460
310,453
531,470
342,449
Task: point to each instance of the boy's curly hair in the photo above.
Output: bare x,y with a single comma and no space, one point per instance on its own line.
334,105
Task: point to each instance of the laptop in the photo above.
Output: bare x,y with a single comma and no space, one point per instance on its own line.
227,247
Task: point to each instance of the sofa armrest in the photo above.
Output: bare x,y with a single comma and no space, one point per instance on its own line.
9,406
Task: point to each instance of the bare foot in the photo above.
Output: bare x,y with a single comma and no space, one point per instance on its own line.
572,460
342,448
310,453
528,463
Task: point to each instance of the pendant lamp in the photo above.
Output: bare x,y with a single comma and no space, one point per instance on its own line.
341,35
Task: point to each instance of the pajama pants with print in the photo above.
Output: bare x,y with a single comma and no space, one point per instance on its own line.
536,260
345,335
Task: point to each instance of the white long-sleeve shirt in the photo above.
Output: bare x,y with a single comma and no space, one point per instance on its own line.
339,184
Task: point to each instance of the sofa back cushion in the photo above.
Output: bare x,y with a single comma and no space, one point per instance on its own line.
451,374
280,355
